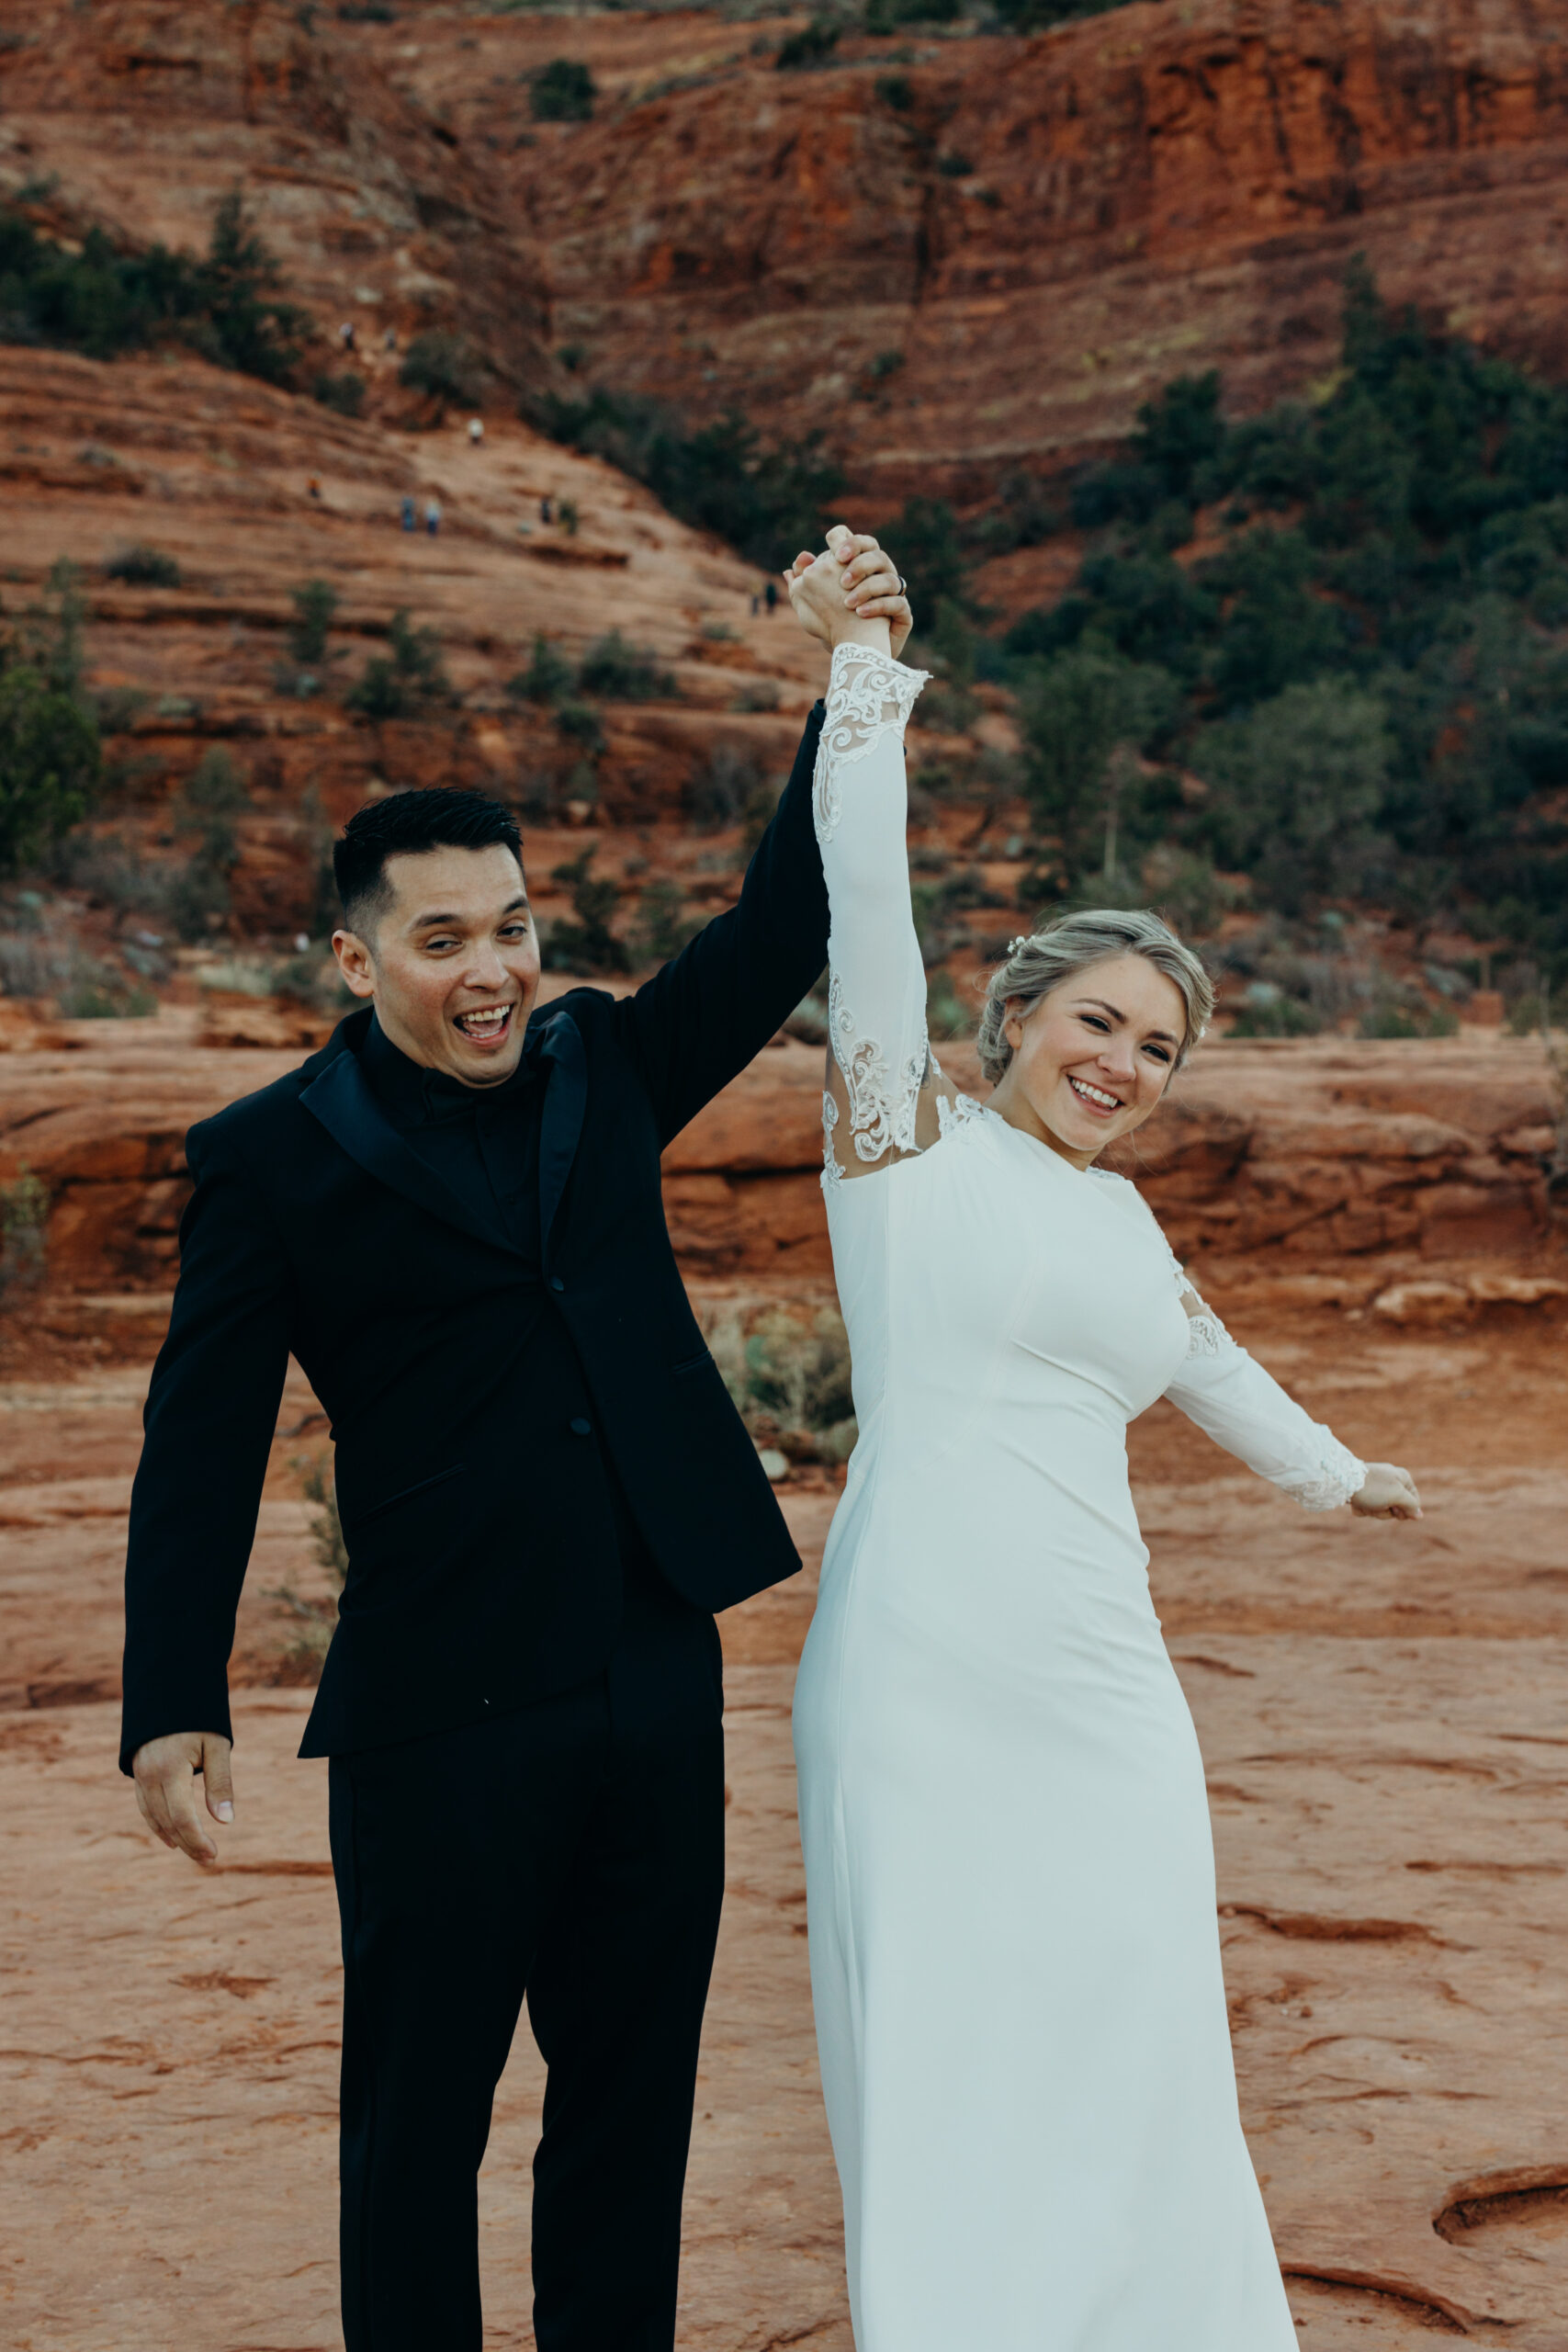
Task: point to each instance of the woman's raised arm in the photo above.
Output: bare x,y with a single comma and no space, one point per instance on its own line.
878,1062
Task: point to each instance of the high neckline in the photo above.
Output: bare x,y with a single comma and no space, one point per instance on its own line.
418,1096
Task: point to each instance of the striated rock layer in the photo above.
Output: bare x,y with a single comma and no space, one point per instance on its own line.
1393,1158
957,253
982,250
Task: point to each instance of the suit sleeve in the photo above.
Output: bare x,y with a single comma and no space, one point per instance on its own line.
209,1424
707,1012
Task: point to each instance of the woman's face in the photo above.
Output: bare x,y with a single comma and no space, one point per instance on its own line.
1091,1061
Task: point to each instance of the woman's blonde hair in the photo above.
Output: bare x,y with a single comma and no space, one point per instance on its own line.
1041,960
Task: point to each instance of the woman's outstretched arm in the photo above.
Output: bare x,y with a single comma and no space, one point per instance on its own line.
1243,1409
878,1061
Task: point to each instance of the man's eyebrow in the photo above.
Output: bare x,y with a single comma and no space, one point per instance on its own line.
1163,1035
425,922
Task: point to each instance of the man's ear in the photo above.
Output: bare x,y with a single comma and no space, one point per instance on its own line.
354,962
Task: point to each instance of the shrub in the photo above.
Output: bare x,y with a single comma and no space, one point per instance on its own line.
580,723
788,1375
562,91
1296,783
589,943
102,301
405,682
549,677
49,764
721,788
24,1229
314,601
444,365
345,393
209,805
768,503
803,51
143,566
1269,1013
623,673
97,991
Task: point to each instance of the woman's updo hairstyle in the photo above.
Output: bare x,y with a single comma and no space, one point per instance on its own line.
1041,960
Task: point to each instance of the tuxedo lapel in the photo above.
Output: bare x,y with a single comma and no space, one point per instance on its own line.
342,1099
561,1052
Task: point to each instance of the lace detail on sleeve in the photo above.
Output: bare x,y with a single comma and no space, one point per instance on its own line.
831,1172
869,695
1337,1475
956,1112
882,1108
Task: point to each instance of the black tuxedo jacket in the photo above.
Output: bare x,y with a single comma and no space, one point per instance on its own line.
483,1565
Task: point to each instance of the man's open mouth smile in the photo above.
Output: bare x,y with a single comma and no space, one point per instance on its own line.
487,1027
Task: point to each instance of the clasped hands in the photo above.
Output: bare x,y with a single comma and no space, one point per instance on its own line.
851,592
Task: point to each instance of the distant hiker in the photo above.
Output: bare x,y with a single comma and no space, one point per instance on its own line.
546,512
476,430
314,486
390,340
409,517
771,596
345,335
433,516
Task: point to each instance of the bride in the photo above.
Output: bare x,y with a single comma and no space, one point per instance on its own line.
1015,1961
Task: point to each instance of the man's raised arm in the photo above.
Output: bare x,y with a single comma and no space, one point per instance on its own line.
209,1424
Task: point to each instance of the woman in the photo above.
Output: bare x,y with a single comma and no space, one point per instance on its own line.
1014,1954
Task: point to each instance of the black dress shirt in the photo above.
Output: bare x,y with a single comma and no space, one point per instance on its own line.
483,1144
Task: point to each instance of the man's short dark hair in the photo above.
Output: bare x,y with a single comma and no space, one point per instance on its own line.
406,824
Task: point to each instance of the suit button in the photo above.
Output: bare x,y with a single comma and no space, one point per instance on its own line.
556,1282
579,1428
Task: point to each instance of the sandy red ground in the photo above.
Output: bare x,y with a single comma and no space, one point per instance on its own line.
1382,1712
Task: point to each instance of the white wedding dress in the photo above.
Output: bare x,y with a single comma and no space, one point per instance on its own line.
1015,1958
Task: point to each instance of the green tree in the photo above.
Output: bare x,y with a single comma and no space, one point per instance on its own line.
408,680
244,323
589,943
314,601
444,365
1297,783
562,91
1084,717
549,678
49,764
209,808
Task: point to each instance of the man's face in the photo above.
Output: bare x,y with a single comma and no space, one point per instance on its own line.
453,964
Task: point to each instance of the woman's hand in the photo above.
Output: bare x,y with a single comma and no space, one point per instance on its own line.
1386,1492
844,592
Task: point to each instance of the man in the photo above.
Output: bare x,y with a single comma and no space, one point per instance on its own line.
452,1216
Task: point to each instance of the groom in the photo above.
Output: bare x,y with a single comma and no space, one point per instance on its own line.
451,1216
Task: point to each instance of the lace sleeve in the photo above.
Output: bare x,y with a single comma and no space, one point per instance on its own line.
1228,1394
876,1000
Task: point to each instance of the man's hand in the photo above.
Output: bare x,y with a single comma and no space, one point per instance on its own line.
867,581
1386,1492
165,1773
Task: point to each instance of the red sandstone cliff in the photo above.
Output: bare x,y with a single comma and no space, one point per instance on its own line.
1160,189
1041,230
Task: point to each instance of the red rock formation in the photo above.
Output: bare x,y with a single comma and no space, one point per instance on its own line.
1271,1160
1049,228
1031,235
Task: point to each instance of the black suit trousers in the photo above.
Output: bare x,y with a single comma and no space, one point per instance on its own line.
572,1852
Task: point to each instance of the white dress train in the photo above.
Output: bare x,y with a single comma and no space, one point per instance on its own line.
1015,1958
